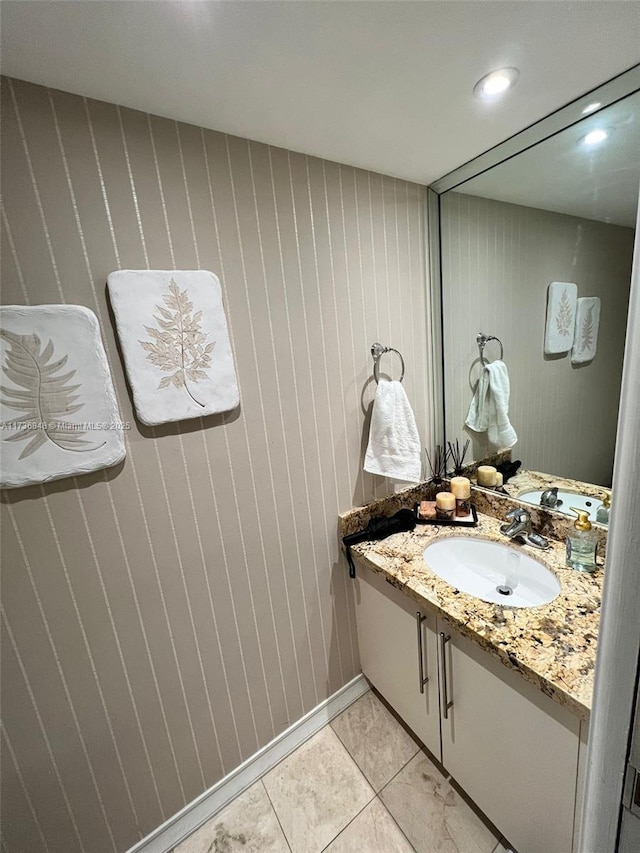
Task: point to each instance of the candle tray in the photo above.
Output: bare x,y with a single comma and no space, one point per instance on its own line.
465,521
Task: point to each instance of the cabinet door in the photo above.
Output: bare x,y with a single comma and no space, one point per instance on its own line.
389,654
511,748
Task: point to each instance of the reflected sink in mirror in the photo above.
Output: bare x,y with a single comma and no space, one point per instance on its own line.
492,572
566,500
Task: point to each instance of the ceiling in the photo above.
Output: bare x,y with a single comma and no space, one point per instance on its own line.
565,175
385,86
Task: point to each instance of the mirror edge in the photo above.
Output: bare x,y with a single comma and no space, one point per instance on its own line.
608,93
619,87
435,312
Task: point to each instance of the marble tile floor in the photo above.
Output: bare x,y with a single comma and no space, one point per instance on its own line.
360,785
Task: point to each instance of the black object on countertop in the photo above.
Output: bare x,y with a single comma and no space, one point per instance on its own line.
508,469
379,528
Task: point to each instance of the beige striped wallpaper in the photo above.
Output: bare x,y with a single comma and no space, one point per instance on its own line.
164,619
497,262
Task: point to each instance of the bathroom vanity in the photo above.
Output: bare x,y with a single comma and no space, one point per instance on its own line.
499,695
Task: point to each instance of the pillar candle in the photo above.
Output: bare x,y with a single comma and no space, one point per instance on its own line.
487,476
461,487
445,505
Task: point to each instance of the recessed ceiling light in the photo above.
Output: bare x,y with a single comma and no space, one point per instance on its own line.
591,107
595,136
496,83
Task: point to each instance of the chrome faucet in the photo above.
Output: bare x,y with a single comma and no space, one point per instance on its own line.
521,529
549,498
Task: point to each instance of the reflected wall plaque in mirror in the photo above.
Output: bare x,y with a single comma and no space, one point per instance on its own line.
561,210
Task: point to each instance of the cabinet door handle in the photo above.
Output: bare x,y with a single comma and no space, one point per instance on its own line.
446,703
422,679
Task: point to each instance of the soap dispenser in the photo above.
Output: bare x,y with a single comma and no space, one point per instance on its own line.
582,543
602,516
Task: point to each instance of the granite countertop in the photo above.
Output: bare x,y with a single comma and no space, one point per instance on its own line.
553,646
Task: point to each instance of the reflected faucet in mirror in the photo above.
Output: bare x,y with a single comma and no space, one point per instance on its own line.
549,498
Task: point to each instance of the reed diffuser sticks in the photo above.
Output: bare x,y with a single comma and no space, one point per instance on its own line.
438,465
457,454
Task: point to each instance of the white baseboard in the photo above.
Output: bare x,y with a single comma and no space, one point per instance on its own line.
203,808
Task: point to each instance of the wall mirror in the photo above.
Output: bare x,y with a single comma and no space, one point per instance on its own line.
563,209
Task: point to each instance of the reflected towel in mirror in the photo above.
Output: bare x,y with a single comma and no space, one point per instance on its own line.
489,409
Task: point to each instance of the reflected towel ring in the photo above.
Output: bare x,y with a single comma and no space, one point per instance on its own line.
377,351
482,340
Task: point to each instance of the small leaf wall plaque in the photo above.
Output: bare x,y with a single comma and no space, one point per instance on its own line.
59,412
561,316
587,323
175,343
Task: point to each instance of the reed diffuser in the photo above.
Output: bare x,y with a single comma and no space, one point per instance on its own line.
457,454
438,465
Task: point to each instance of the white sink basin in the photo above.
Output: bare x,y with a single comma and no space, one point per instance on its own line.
480,568
568,499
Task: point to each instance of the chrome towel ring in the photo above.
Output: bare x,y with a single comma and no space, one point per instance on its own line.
482,340
377,351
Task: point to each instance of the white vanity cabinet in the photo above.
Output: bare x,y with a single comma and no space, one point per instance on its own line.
511,748
397,659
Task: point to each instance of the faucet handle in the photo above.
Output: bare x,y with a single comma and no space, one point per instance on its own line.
549,498
518,523
517,513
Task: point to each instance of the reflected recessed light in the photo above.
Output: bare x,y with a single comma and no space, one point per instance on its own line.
591,107
495,84
595,136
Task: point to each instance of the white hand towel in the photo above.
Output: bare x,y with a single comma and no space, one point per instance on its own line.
394,443
561,317
489,409
586,338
